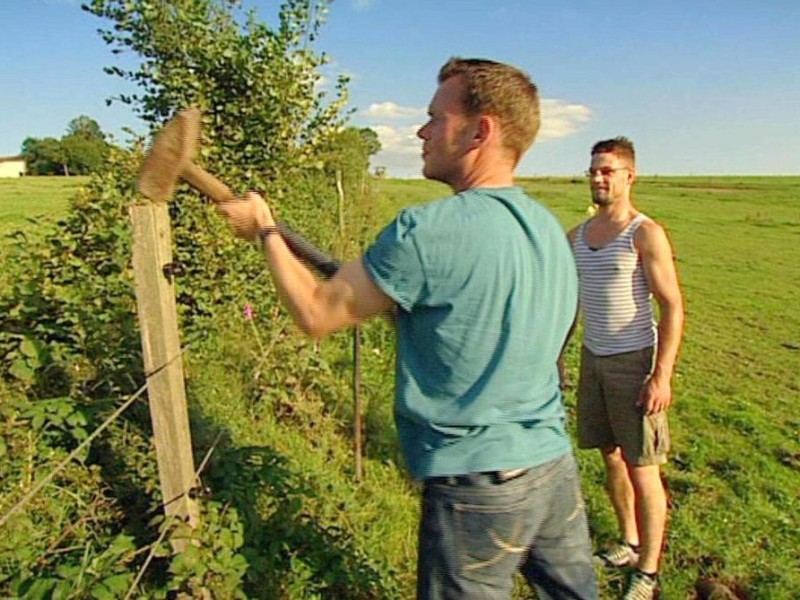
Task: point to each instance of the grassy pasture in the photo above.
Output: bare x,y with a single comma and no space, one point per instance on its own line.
30,197
734,477
26,200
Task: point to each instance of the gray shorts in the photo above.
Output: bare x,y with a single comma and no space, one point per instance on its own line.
608,416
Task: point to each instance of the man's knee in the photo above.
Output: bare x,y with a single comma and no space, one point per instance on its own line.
646,479
614,459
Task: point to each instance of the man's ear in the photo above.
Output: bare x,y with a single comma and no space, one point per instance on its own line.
485,129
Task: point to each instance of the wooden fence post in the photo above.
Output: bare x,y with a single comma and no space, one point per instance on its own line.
340,195
358,419
163,365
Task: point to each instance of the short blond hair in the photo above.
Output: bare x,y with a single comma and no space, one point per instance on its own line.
493,88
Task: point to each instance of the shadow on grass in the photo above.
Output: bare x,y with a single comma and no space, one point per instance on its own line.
289,553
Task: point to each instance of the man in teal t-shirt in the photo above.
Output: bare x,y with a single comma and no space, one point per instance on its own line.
485,290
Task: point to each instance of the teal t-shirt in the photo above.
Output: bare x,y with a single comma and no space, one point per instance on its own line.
487,288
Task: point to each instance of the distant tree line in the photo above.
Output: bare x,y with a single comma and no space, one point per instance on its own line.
81,151
350,149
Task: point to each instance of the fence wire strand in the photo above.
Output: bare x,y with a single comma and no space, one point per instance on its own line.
157,543
115,415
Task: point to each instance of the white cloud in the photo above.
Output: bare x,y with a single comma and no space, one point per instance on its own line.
399,140
401,150
392,111
561,119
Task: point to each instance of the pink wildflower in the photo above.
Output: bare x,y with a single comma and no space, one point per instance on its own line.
248,312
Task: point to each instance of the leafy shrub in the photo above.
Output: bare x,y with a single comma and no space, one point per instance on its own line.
69,341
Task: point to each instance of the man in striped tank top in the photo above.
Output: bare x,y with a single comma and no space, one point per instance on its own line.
624,259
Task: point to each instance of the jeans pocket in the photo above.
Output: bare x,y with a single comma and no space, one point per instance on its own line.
493,539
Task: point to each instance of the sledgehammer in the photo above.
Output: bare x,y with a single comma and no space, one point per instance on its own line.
171,157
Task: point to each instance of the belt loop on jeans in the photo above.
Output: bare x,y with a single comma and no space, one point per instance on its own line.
497,477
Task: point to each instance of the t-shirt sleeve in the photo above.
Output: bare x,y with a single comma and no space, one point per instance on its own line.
393,262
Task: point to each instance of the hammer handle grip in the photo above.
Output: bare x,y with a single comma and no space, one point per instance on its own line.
307,252
205,182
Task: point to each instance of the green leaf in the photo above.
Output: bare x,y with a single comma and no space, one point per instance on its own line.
68,571
29,348
100,591
41,589
117,584
20,370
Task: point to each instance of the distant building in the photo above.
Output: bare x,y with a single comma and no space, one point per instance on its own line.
12,166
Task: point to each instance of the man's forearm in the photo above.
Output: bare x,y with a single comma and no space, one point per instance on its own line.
670,333
294,281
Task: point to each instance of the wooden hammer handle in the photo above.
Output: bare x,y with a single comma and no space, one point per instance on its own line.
205,182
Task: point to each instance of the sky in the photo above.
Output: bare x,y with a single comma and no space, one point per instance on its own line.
702,87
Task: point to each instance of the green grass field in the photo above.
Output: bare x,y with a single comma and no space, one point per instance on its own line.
28,200
734,477
29,197
735,474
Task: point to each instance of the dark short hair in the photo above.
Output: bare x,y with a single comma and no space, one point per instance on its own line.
619,146
493,88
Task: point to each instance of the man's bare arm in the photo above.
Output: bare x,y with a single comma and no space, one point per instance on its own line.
318,307
659,267
562,368
323,307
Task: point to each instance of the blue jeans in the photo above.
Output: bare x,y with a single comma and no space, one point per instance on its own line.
477,530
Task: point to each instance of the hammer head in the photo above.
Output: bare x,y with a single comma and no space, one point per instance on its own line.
172,149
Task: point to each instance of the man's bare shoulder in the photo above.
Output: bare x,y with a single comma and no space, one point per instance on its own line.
651,237
572,234
650,231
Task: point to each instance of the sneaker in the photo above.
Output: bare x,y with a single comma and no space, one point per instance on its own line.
641,586
617,557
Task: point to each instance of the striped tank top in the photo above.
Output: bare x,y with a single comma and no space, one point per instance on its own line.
615,298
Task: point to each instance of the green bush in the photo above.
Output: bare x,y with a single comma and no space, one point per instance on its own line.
70,345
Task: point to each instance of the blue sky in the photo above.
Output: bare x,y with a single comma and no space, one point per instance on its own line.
702,86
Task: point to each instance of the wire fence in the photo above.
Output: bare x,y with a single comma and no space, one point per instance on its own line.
42,483
155,545
85,443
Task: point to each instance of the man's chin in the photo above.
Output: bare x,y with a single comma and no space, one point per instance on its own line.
429,173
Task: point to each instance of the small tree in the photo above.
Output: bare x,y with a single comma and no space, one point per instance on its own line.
265,127
81,151
86,128
263,118
264,123
42,155
84,147
349,151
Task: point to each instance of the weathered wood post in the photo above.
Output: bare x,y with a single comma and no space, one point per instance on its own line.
340,196
357,410
163,366
357,417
